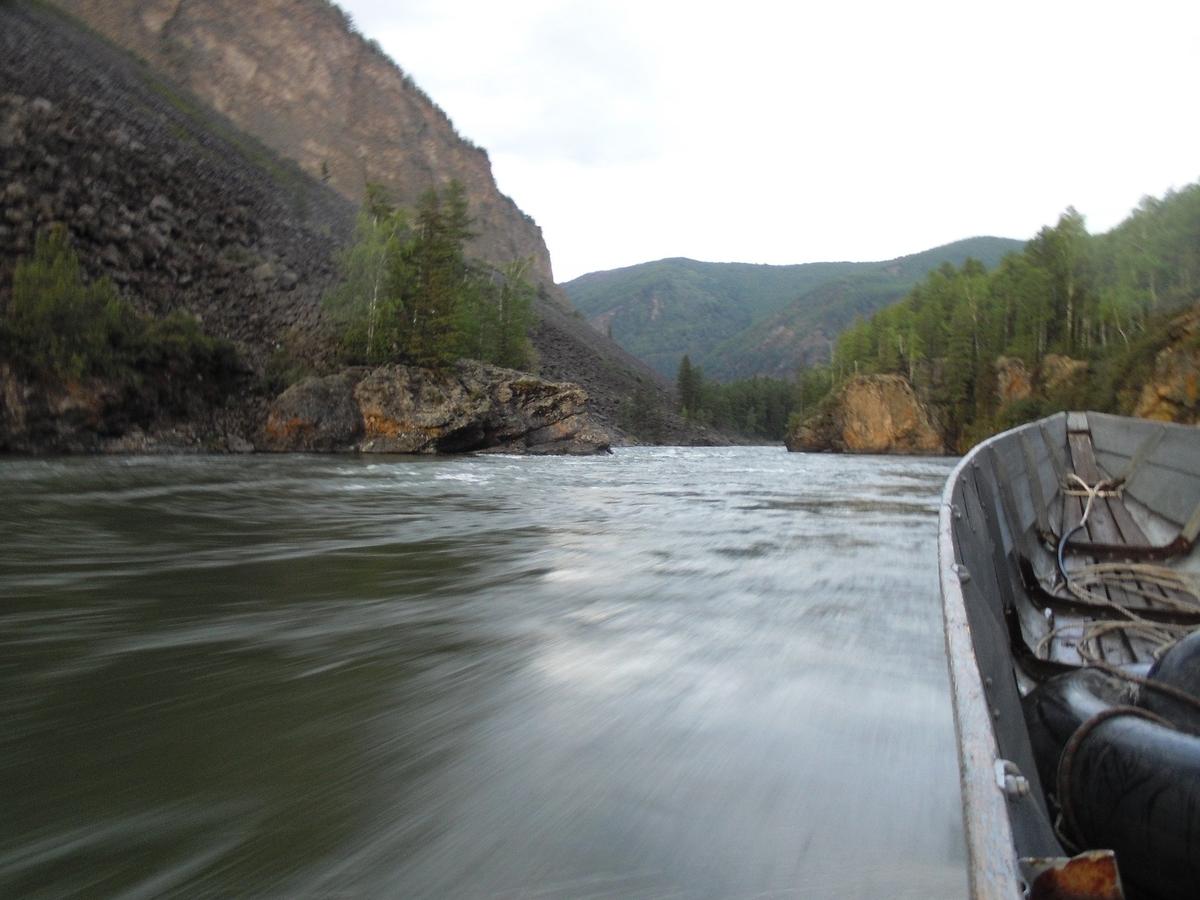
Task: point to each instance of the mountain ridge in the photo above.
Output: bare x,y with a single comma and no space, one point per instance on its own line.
662,309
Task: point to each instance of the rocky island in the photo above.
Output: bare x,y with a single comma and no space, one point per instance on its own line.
403,409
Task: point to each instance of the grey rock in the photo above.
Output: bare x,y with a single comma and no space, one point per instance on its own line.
264,272
161,207
404,409
317,414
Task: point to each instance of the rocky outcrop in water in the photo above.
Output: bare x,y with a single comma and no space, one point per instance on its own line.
404,409
870,414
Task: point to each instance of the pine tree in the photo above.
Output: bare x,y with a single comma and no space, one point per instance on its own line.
429,276
688,387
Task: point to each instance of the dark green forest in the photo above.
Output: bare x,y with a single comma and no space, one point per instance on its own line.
756,408
1104,300
58,326
409,294
737,320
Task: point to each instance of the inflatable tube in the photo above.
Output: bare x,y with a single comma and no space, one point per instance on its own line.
1178,668
1132,785
1056,709
1126,779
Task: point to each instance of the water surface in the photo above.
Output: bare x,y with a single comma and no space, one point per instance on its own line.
665,673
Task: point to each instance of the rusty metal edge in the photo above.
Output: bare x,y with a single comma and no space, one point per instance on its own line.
992,868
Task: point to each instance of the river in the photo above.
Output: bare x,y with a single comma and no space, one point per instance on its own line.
667,673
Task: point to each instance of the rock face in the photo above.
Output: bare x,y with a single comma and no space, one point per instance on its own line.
403,409
96,415
295,75
1013,381
1173,393
870,414
315,415
165,200
1056,370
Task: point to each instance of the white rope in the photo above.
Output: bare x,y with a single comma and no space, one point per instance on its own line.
1179,591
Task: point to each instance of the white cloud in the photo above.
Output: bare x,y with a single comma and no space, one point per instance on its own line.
771,132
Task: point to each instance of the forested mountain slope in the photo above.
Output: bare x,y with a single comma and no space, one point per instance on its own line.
737,319
1075,320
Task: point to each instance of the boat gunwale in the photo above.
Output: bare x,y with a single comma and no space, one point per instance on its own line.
992,870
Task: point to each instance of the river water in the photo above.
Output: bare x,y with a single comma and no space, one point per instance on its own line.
665,673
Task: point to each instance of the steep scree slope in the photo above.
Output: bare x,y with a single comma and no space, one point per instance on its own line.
295,75
164,198
184,211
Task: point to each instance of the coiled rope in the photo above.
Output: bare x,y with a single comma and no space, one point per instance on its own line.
1180,591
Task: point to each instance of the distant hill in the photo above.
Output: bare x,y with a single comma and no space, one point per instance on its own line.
736,319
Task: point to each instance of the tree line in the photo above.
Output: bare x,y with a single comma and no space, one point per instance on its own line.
752,407
1103,299
408,292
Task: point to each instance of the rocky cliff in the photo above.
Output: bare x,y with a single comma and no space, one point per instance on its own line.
400,409
1173,391
294,74
186,213
870,414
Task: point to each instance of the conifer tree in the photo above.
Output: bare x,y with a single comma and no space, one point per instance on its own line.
430,275
688,385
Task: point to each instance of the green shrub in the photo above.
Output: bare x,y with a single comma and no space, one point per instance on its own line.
57,326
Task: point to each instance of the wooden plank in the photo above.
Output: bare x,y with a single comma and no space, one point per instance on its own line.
1082,459
1103,527
1077,422
1100,525
1034,484
1131,534
1109,522
1100,528
1056,455
1166,489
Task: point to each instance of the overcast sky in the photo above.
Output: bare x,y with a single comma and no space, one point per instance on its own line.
776,132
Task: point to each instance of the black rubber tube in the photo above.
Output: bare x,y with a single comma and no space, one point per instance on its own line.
1062,546
1133,786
